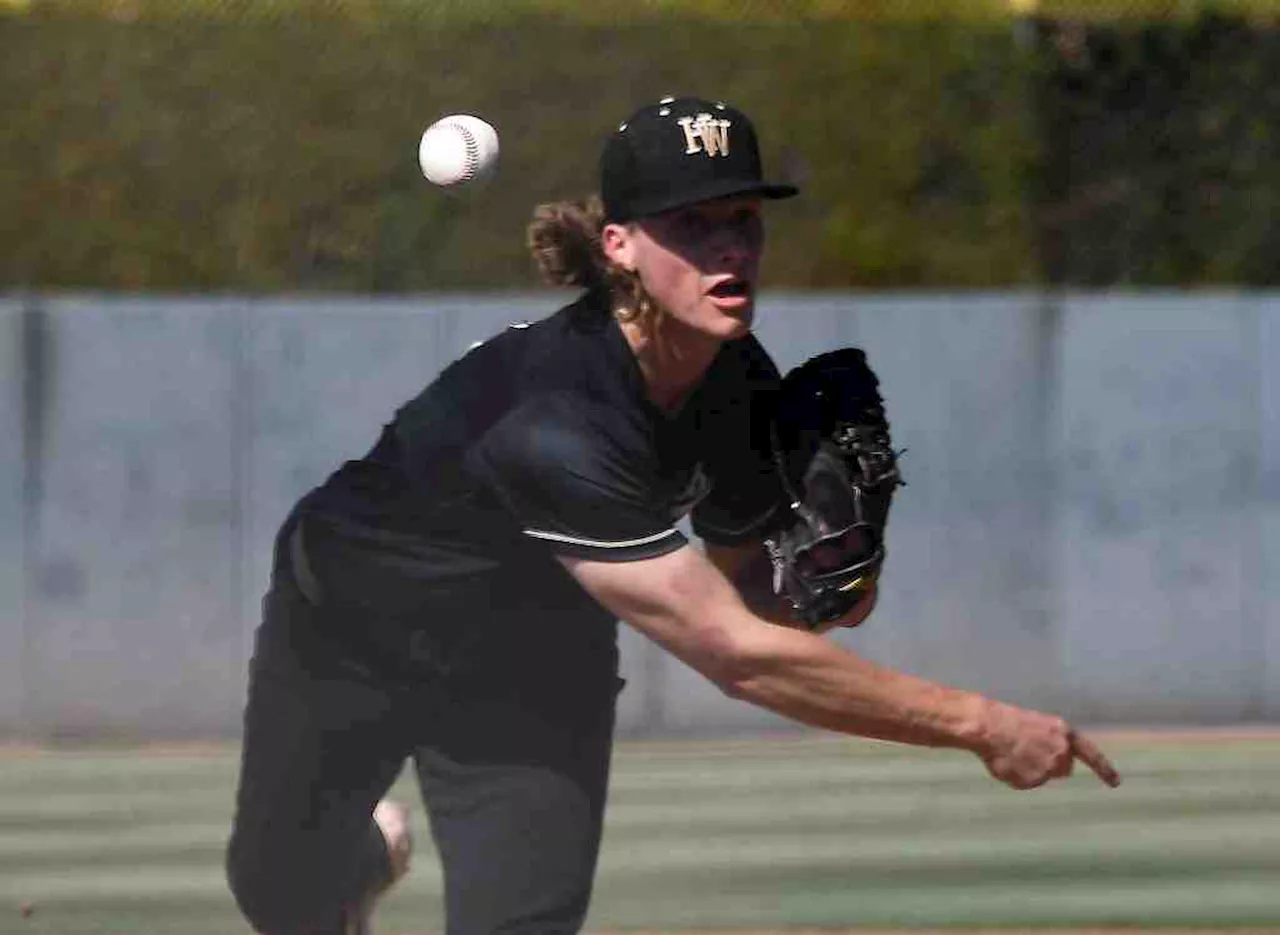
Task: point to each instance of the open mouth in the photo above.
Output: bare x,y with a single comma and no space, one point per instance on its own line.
731,289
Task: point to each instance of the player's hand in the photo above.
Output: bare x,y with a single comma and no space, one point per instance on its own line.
1025,749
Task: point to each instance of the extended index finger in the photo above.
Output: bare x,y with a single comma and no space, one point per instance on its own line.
1088,753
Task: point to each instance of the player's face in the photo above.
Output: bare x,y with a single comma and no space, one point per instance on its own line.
701,263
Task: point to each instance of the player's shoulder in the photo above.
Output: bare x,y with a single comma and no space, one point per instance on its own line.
583,332
561,428
557,349
525,357
555,445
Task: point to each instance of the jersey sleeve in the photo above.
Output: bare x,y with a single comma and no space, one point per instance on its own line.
745,494
578,482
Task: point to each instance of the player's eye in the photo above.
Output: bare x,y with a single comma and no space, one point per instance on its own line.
748,223
691,224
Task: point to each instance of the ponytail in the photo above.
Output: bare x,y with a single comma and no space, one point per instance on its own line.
564,239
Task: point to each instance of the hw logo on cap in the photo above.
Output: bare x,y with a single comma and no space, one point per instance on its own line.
645,171
705,134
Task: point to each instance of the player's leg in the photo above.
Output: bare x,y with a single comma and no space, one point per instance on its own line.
515,792
322,744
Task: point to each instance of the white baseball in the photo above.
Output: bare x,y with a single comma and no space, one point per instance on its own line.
457,150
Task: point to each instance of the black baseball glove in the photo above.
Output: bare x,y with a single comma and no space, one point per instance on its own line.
838,470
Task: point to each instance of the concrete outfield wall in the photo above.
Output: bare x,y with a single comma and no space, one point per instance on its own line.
134,577
12,518
1092,520
1267,569
1159,535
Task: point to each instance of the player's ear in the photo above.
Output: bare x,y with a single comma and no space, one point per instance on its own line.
619,245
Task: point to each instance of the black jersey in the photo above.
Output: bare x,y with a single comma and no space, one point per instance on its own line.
540,442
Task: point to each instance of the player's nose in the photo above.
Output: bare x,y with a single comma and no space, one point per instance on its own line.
734,249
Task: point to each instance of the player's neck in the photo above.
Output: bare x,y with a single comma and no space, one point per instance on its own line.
673,361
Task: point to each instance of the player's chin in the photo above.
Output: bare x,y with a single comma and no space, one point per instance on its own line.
730,319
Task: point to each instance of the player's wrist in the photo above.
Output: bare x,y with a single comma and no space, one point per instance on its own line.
976,724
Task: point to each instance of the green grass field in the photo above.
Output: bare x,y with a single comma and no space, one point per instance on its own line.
613,11
781,833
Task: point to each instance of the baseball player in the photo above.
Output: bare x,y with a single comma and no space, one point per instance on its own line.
451,598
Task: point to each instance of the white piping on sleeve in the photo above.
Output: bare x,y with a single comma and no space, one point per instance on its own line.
596,543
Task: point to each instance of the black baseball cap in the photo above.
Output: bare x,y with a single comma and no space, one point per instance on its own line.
678,152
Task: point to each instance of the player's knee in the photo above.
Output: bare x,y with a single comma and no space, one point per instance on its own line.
261,903
556,909
567,919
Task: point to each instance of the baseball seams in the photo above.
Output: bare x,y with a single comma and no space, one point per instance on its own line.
473,150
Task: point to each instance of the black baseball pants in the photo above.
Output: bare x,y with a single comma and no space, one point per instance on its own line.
511,757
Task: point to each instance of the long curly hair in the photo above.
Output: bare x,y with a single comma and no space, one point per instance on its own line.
564,238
